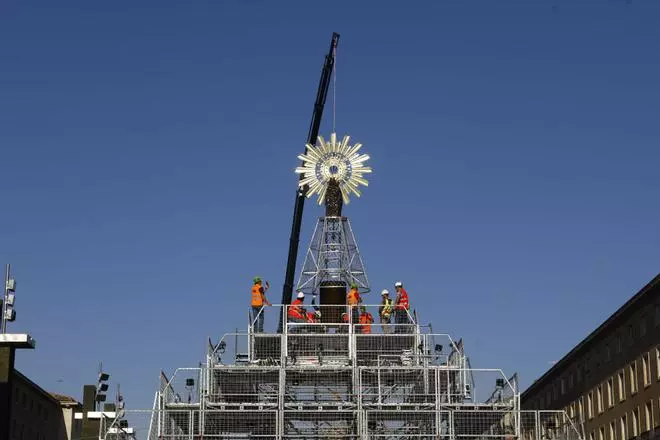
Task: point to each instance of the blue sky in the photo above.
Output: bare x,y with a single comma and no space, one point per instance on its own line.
148,152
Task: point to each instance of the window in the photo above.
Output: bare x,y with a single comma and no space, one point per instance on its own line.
571,411
623,433
601,433
648,417
591,436
617,342
631,334
607,353
610,392
612,430
590,405
633,377
563,386
581,409
548,398
570,380
622,386
657,361
599,398
555,392
635,422
657,315
646,367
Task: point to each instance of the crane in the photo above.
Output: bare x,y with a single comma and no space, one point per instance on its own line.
301,192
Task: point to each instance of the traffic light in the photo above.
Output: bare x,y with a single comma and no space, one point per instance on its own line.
102,387
10,289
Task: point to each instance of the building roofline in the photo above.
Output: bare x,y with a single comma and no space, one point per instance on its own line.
65,401
562,363
37,387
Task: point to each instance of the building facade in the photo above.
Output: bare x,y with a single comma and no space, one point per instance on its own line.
36,414
70,407
609,384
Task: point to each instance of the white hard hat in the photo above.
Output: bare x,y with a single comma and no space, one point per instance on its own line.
317,313
385,292
398,284
300,295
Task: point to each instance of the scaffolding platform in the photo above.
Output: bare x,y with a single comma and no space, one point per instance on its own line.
338,382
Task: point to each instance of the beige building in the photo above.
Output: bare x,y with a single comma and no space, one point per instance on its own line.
609,384
70,407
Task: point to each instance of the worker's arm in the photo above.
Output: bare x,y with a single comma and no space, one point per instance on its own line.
263,294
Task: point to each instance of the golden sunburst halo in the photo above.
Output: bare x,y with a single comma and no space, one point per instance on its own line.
333,160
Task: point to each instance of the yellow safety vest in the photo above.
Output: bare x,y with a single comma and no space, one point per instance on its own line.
387,308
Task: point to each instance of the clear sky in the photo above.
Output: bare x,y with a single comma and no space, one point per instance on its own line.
148,150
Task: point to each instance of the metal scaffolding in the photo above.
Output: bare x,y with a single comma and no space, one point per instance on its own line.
320,381
333,256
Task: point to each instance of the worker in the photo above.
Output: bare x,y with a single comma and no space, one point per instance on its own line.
401,307
313,317
315,306
296,312
258,302
366,319
353,300
344,321
385,312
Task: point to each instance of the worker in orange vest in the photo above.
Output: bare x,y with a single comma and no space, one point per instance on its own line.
296,312
401,307
313,318
258,302
366,319
353,300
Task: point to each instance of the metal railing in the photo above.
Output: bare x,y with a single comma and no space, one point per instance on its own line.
261,318
346,423
341,347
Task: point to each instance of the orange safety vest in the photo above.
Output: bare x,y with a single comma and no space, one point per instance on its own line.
257,297
295,311
365,321
353,297
403,300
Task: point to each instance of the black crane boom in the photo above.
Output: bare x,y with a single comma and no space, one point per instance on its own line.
301,193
